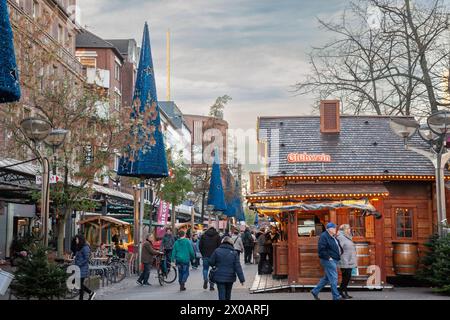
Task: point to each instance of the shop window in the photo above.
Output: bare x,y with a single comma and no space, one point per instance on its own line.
357,223
404,223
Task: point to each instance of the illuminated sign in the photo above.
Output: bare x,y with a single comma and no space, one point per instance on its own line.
304,157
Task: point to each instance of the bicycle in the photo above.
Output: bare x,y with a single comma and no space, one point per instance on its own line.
167,273
120,267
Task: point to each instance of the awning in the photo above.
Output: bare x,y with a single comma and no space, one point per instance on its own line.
105,219
275,208
323,191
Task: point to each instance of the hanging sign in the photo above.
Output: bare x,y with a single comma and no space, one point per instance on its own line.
163,214
305,157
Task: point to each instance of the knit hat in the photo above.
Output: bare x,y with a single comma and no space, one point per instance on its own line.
331,225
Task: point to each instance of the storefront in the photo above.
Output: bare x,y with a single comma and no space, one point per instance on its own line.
347,170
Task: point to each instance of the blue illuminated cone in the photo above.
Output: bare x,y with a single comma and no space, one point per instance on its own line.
216,196
9,76
145,156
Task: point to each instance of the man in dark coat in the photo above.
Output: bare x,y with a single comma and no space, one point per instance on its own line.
148,254
330,252
209,242
247,240
226,261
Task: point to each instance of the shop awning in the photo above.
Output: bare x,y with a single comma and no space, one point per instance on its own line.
104,219
322,191
275,208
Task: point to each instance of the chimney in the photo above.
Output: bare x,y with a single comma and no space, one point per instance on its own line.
330,121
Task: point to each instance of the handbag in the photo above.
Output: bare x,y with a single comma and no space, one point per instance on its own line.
211,275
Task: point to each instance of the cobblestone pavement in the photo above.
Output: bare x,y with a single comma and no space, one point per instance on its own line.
129,290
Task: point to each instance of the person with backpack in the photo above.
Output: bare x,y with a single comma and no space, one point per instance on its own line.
237,242
209,242
225,261
247,241
182,255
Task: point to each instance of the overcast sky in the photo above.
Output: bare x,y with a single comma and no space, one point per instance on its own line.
253,51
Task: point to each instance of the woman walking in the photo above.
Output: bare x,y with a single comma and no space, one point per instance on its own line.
348,258
182,255
82,261
225,259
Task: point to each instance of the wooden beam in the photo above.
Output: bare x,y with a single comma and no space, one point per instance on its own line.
293,261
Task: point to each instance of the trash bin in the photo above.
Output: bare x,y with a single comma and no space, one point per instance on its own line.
5,281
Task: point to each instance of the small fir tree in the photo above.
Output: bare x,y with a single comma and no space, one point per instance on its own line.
37,278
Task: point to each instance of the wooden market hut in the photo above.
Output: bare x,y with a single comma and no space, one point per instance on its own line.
100,229
348,170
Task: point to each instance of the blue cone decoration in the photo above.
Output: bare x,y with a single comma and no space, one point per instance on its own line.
230,203
145,156
9,75
216,196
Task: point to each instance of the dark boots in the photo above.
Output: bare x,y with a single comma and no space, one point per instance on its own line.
344,294
182,287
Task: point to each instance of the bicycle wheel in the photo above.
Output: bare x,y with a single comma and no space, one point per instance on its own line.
121,269
171,275
160,277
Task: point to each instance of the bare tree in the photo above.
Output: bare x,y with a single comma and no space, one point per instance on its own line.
387,57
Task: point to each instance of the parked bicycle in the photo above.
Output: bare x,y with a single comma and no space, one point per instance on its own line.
120,267
167,273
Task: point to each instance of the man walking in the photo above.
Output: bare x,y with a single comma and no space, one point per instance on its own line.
182,255
330,252
248,242
148,253
209,242
167,245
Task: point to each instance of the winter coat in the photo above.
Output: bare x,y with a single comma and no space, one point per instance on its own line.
167,242
148,252
238,244
209,242
82,260
247,239
226,261
328,247
182,252
261,243
348,257
195,247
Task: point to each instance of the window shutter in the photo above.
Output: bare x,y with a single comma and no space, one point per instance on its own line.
370,227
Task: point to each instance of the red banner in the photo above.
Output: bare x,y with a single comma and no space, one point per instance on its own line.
163,215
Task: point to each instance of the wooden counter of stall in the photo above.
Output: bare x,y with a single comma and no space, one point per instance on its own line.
308,267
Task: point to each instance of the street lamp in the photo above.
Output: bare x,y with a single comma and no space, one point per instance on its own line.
37,130
435,135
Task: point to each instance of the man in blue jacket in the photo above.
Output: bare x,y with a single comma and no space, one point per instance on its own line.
330,252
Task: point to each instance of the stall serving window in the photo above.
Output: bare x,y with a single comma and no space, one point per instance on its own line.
357,223
404,223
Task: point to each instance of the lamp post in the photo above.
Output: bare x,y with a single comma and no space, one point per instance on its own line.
434,133
37,130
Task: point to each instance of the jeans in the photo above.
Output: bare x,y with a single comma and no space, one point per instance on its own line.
83,288
196,263
225,290
346,276
145,274
206,271
248,252
183,272
331,277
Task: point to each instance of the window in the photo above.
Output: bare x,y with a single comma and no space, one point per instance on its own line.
35,9
357,223
88,62
117,72
117,101
404,223
116,162
60,34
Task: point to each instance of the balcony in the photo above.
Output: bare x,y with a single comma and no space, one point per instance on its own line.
98,77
